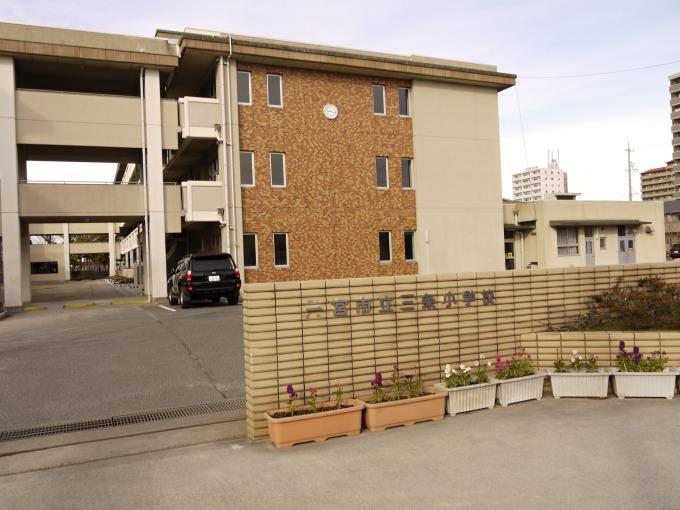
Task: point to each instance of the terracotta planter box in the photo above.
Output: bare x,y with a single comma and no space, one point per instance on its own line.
579,384
469,398
520,389
645,384
285,432
406,412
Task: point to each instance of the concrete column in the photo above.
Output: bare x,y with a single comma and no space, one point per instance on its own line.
154,172
9,190
67,253
25,263
112,250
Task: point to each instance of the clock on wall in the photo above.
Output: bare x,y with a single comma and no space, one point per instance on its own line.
330,111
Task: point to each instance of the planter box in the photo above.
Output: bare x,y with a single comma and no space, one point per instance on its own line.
469,398
405,412
645,384
285,432
519,389
579,384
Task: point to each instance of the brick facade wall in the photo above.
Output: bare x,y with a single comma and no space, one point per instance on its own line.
330,208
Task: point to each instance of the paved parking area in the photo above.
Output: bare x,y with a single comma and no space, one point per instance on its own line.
54,295
552,454
73,364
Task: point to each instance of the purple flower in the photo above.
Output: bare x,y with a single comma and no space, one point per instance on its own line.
377,380
636,349
622,346
291,391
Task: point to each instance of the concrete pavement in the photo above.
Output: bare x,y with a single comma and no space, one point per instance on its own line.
54,295
564,454
67,365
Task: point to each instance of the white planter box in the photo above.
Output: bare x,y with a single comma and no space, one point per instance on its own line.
645,384
470,398
519,389
579,384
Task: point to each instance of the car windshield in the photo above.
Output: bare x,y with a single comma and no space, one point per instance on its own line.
212,264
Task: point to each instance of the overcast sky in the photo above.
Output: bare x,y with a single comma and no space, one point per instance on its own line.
588,119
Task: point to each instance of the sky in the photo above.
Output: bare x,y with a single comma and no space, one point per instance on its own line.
588,119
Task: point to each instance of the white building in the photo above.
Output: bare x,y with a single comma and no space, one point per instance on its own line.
536,183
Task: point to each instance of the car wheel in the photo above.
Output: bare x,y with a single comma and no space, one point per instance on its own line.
172,299
182,301
233,298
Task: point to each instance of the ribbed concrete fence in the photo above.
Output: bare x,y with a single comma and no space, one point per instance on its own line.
320,334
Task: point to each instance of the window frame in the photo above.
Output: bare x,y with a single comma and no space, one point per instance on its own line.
408,102
257,251
603,242
252,168
384,99
271,171
389,244
569,245
280,266
280,90
410,173
387,173
412,234
250,88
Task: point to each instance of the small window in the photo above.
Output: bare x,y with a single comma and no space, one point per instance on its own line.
44,267
243,92
409,248
281,250
277,169
379,99
603,243
247,169
404,102
406,164
385,245
250,251
274,90
381,173
567,241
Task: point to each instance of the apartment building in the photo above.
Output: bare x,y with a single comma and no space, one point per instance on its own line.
674,89
303,161
658,183
571,233
536,183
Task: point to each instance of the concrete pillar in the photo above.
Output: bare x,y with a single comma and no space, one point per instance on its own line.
67,252
112,250
154,172
25,263
9,191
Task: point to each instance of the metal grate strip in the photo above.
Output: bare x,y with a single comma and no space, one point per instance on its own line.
122,420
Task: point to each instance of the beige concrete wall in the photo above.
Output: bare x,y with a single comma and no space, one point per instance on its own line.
48,253
541,245
73,228
201,200
80,248
292,335
91,120
457,178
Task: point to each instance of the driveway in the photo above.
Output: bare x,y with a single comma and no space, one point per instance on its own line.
74,364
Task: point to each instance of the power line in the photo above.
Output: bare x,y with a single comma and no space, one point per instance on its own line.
602,73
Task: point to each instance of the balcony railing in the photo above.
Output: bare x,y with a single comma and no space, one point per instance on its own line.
199,117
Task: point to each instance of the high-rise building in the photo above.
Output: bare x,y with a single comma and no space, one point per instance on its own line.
674,90
535,183
658,183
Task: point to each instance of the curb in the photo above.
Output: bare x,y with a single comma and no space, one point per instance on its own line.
130,302
33,308
78,305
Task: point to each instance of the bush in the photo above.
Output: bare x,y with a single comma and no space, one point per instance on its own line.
653,304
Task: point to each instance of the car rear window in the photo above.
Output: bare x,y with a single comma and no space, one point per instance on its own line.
212,264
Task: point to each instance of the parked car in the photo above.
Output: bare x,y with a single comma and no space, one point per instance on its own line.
675,251
204,277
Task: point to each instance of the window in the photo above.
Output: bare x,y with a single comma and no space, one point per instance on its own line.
274,90
250,250
277,169
247,168
385,245
44,267
379,99
406,182
409,248
280,250
381,173
404,102
243,91
567,241
603,243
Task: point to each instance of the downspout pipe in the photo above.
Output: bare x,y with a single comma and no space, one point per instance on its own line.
147,260
233,234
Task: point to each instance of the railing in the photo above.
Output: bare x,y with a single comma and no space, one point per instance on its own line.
199,117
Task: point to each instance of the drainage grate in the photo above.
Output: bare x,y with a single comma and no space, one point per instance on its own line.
125,419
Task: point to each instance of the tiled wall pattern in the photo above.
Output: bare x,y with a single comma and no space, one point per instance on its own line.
330,207
294,335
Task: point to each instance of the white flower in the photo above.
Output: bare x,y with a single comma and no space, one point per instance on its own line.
467,369
476,363
580,358
447,370
481,356
462,366
575,352
454,371
488,363
573,359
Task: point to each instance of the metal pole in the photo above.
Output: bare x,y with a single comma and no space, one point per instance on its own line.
630,175
147,261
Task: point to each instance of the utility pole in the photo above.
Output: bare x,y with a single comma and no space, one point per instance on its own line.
630,173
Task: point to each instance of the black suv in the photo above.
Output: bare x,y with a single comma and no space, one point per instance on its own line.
209,276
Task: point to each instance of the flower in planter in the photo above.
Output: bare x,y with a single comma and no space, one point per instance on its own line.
312,399
465,377
376,385
576,363
519,365
339,393
634,362
292,395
